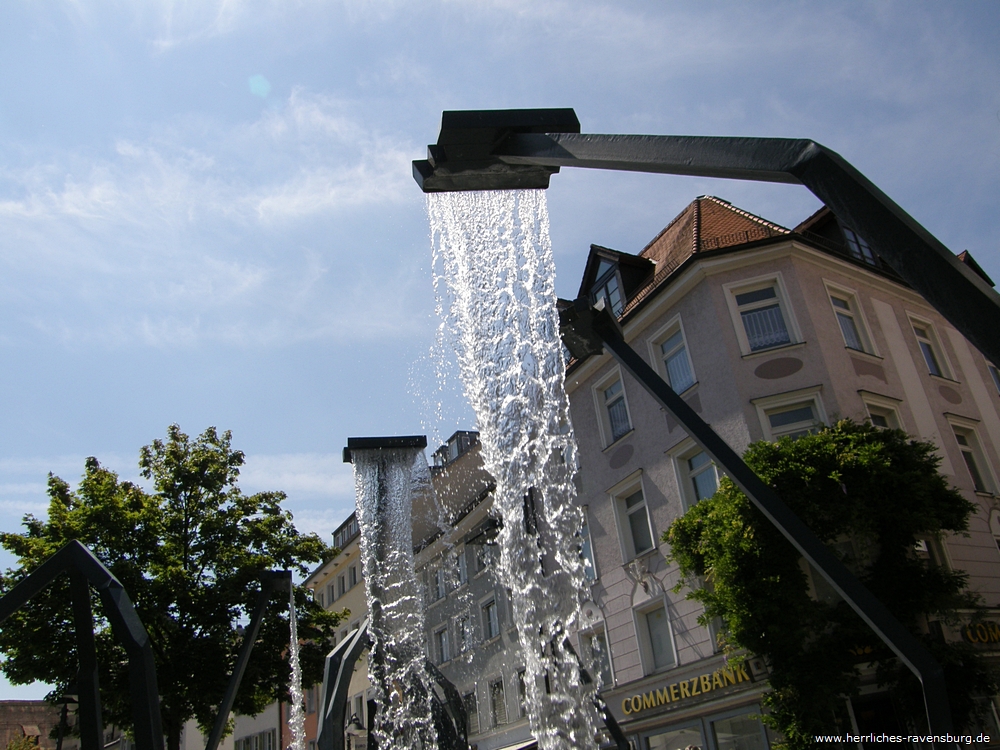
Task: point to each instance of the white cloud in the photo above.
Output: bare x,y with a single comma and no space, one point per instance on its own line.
204,233
323,474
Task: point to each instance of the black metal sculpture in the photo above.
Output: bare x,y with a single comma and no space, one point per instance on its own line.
512,149
270,581
85,570
447,707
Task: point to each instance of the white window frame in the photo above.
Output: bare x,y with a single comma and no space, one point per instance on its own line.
855,312
781,295
587,549
791,398
442,645
995,374
600,403
619,494
484,618
464,633
586,641
967,429
934,342
522,692
680,455
461,567
494,719
656,356
887,408
645,642
468,714
440,583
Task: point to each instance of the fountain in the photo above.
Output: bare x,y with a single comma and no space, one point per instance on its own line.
493,250
510,150
383,476
297,715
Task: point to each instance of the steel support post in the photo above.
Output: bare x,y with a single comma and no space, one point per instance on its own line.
586,329
89,694
270,581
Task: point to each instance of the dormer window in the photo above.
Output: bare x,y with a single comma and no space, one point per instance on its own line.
857,246
608,288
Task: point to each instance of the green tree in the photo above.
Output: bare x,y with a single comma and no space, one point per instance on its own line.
869,494
189,553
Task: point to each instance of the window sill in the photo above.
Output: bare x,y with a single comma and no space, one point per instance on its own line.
865,355
491,641
773,349
616,442
943,379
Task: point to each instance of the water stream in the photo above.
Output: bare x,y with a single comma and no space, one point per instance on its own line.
297,716
384,486
496,295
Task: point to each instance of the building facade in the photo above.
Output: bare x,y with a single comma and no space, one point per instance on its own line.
471,635
765,332
337,585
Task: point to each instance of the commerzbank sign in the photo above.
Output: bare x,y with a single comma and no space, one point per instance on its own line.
684,689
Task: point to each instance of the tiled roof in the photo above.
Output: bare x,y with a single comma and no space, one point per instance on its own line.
708,223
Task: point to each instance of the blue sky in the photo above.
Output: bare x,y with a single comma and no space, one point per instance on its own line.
207,215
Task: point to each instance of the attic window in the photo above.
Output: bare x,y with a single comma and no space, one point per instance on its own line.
608,287
857,246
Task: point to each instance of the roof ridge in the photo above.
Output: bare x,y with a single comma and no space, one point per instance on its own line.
746,214
696,228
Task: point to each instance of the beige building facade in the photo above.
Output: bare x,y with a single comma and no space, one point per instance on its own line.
765,332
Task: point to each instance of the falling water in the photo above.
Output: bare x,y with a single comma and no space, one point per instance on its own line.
384,485
498,302
297,717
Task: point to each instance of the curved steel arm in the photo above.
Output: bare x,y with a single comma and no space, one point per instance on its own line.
81,563
954,290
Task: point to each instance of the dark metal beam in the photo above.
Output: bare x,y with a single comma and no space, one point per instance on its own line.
270,581
336,685
487,162
125,624
596,327
88,685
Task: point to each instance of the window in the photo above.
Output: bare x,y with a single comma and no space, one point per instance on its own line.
484,557
656,639
331,594
498,703
522,694
471,713
341,586
670,347
440,584
996,376
359,708
464,630
491,620
607,288
697,476
461,571
352,576
762,318
740,732
442,646
851,320
930,347
587,550
857,247
884,417
311,700
633,516
318,596
882,410
600,656
792,414
612,408
975,462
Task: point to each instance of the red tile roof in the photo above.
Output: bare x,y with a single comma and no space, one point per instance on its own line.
708,223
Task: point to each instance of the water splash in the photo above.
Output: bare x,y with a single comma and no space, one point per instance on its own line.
384,486
495,288
297,715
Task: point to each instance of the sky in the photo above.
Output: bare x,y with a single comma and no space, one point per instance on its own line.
207,215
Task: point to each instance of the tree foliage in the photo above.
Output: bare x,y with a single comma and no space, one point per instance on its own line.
869,494
189,554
